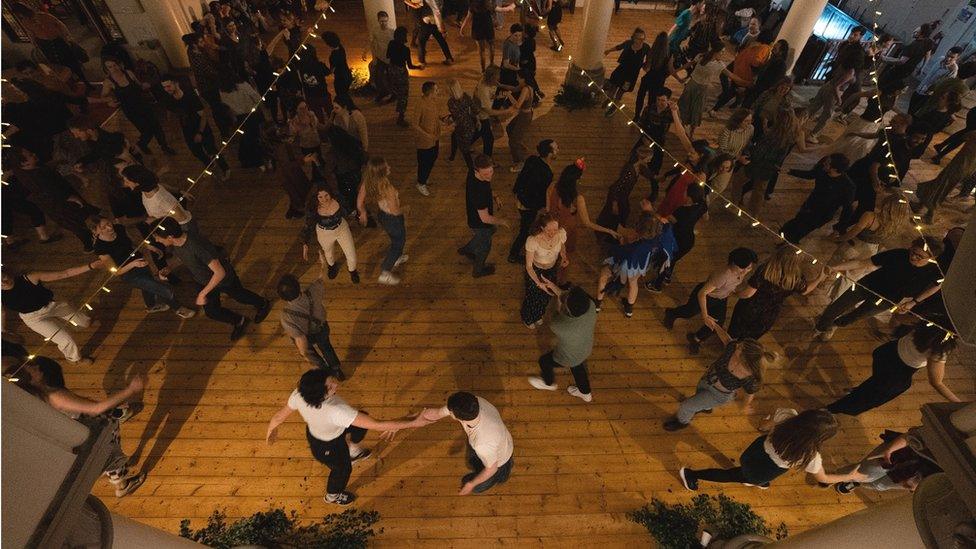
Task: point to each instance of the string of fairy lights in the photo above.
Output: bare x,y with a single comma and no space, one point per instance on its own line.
592,84
753,221
193,182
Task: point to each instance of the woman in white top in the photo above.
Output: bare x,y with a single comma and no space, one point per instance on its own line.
156,199
378,191
893,366
348,117
334,429
706,70
794,441
545,254
865,237
241,97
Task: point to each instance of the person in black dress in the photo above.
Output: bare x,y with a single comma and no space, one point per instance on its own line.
633,55
554,16
338,65
481,17
761,300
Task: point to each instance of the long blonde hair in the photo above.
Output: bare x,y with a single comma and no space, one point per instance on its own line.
892,215
376,180
783,269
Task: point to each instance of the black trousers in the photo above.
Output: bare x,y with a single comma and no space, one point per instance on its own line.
149,128
500,476
205,149
526,217
916,102
805,222
890,377
547,366
426,31
13,200
487,137
334,454
425,162
236,291
716,309
849,307
955,140
321,350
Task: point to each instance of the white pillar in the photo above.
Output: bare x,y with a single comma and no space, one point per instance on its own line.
798,26
167,18
372,7
588,54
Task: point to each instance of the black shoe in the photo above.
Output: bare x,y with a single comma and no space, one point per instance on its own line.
293,214
654,286
514,259
169,151
342,498
338,374
628,308
672,424
846,487
354,275
694,345
333,271
144,148
239,329
669,318
688,479
468,478
487,270
465,253
262,312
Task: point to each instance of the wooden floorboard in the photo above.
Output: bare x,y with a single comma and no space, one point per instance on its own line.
579,468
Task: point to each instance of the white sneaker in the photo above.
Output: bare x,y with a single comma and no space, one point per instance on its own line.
541,385
422,189
573,390
158,308
184,312
401,260
388,278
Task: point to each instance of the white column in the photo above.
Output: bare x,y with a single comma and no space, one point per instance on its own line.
798,26
588,54
372,7
167,18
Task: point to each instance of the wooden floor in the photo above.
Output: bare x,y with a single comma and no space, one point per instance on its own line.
579,468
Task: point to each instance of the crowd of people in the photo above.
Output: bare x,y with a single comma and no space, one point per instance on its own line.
307,132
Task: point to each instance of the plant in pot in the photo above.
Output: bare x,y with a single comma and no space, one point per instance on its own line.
677,526
574,98
351,529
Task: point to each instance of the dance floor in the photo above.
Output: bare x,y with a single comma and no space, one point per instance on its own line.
579,468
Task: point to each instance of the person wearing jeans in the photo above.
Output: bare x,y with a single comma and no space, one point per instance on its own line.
26,295
710,298
378,191
116,251
573,326
333,429
214,273
303,319
490,446
739,367
480,207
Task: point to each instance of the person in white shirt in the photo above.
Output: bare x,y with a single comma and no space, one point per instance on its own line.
379,67
156,199
334,429
490,446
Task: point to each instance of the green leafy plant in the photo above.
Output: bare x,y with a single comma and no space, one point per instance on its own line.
573,98
676,526
350,529
360,82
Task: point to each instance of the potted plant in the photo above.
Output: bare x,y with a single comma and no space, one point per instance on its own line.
351,529
677,526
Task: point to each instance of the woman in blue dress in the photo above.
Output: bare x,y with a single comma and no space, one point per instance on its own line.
651,250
